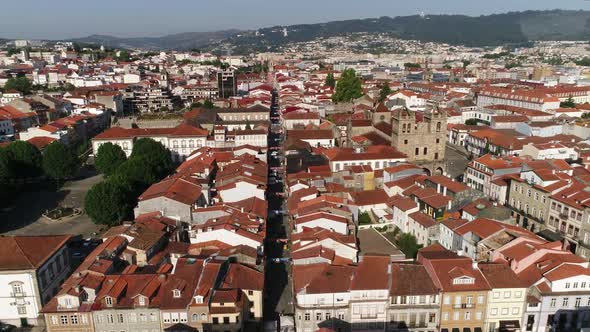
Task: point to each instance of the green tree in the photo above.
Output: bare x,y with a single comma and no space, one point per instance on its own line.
153,154
364,218
471,122
569,103
208,104
107,203
21,84
124,56
109,157
7,166
584,62
330,80
348,88
136,174
27,159
196,105
408,244
385,91
7,176
60,162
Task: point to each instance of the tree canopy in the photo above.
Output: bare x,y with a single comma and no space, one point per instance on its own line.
154,154
26,158
136,173
330,80
108,203
385,91
569,103
60,162
109,157
348,88
21,84
408,244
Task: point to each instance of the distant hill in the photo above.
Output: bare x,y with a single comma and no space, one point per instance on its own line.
489,30
182,41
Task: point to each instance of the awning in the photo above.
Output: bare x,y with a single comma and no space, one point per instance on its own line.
509,325
455,329
466,329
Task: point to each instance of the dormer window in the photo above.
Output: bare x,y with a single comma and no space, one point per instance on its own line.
176,293
108,300
198,299
463,281
141,300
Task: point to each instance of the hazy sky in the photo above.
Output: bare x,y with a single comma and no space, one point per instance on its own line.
55,19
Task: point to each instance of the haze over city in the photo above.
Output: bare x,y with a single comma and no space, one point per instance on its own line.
62,19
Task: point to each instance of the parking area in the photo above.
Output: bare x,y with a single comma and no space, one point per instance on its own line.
457,159
26,216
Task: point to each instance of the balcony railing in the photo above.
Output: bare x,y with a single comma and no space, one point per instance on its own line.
20,294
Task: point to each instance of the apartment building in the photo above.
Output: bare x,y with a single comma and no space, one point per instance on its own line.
506,299
33,269
464,289
415,300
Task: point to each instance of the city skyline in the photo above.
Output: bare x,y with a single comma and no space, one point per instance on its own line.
113,18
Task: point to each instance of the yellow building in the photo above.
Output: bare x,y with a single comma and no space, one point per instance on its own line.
464,289
506,299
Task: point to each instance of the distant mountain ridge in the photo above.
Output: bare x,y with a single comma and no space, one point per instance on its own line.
485,30
182,41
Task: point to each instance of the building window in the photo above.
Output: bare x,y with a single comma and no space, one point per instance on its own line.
17,289
438,127
425,151
565,302
406,142
141,300
108,300
54,320
74,319
63,319
577,303
417,151
307,316
478,315
318,316
176,293
21,309
553,300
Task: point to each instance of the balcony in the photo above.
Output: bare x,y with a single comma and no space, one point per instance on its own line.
464,306
20,294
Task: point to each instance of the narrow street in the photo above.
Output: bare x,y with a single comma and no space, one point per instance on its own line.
277,283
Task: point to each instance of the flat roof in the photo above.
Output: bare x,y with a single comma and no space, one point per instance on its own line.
371,242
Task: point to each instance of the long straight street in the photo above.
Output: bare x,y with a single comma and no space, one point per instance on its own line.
277,283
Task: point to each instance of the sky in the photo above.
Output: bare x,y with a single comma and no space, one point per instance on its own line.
61,19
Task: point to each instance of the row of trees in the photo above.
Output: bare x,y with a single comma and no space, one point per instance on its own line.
112,200
22,162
